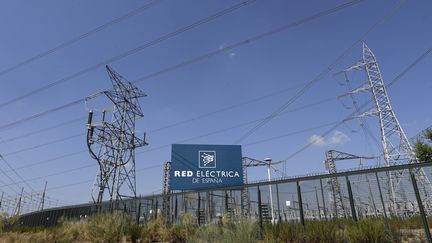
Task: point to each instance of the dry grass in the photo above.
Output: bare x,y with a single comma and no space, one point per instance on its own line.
118,227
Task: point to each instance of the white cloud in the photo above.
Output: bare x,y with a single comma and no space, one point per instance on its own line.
337,138
232,54
317,140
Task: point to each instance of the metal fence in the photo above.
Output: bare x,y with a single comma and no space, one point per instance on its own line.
362,193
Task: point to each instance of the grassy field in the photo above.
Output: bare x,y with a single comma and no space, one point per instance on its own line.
117,227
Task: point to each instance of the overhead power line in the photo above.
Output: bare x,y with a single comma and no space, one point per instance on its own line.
320,102
26,135
52,110
88,181
44,144
320,76
131,51
166,145
249,40
232,46
80,37
397,78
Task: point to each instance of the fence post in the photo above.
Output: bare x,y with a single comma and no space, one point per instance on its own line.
175,209
351,199
278,203
226,202
319,210
381,196
199,209
420,205
300,203
139,213
156,211
323,201
260,213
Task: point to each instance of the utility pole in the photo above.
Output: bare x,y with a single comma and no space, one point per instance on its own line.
268,161
1,200
112,143
18,208
43,197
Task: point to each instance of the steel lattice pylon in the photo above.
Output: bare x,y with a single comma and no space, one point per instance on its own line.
112,143
335,191
396,146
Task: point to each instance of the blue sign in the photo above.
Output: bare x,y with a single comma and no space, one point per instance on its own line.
195,166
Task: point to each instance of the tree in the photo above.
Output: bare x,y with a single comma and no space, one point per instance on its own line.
423,147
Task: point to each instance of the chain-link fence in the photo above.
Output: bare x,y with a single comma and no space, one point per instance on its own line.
354,195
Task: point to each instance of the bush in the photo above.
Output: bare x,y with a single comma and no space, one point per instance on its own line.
156,231
370,230
243,231
106,227
322,231
283,232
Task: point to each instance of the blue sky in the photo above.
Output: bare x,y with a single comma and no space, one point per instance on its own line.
274,68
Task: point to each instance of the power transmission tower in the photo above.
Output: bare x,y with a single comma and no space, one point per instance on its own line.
245,198
335,191
396,146
112,143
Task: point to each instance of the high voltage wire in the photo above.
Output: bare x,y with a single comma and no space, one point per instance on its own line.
47,112
51,175
226,108
173,124
200,136
215,52
26,119
50,160
80,37
184,140
14,171
11,179
319,76
44,144
249,40
289,134
233,127
87,181
8,140
414,65
132,51
397,78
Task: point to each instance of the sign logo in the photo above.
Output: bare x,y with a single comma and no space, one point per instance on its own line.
207,159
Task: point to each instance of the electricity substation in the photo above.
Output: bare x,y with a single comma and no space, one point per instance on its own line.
210,182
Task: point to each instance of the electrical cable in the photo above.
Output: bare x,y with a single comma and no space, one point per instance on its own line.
78,38
320,75
397,78
131,51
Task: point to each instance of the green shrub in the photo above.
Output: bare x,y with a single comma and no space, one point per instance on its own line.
242,231
106,227
323,231
156,231
283,232
370,230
